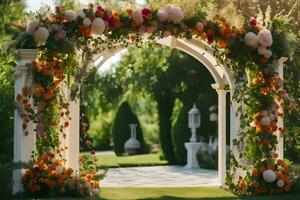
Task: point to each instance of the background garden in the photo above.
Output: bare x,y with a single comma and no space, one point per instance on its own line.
152,86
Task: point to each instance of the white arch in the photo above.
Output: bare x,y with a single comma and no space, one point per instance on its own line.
221,74
201,51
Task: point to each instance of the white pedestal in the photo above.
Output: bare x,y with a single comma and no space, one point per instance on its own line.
192,148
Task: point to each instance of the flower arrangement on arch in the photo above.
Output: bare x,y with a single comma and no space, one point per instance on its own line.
59,36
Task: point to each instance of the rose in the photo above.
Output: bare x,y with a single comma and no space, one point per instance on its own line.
251,39
86,21
265,121
174,13
59,169
253,21
162,16
269,176
199,26
98,26
147,13
95,191
33,26
265,38
41,35
70,15
280,183
60,35
137,17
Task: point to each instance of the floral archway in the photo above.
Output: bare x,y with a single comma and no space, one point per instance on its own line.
65,42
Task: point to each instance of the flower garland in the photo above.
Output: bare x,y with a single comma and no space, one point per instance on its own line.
252,49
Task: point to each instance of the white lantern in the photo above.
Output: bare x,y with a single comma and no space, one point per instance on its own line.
194,122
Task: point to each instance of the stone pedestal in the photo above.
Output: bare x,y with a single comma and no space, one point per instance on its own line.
192,148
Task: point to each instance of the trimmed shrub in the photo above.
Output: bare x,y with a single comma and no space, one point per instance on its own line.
121,129
181,134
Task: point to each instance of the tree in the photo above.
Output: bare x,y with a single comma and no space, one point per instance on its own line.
166,74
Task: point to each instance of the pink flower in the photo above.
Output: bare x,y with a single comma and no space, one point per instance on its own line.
137,17
174,13
60,35
199,26
70,15
162,16
265,38
147,13
33,26
253,21
88,143
41,35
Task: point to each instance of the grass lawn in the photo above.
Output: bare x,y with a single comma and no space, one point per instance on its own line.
203,193
111,160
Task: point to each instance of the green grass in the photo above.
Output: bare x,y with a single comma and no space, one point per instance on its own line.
204,193
111,160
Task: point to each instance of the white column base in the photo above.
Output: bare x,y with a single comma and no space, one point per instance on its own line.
192,148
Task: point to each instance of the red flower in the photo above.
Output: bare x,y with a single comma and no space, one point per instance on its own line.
92,151
252,21
210,39
147,13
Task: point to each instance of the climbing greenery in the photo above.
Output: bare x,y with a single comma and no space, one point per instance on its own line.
67,41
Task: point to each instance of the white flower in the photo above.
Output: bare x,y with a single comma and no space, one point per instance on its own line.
162,16
59,169
98,26
265,38
86,21
280,183
261,50
265,121
41,35
81,14
174,13
251,39
137,17
268,53
272,117
70,15
265,113
95,191
33,26
199,26
269,176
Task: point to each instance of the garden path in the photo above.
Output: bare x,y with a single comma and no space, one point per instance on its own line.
159,176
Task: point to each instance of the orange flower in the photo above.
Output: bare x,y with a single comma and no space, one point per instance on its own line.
25,90
255,172
280,161
85,31
129,11
39,90
266,141
48,95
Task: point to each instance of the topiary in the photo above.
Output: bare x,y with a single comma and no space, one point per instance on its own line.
121,129
181,134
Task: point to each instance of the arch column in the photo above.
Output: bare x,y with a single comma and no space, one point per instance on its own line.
221,132
280,124
24,144
73,136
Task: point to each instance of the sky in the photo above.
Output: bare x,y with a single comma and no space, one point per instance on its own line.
34,5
